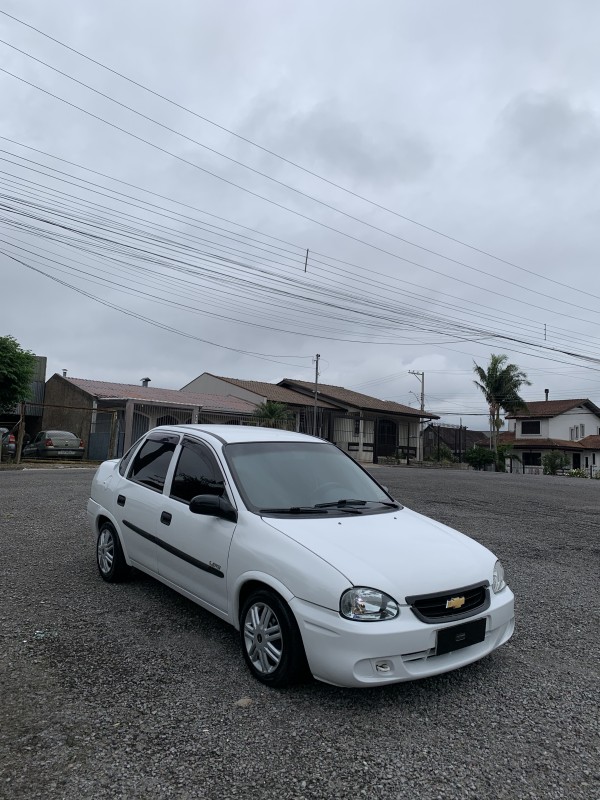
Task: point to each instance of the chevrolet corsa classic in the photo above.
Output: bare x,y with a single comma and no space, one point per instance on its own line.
301,550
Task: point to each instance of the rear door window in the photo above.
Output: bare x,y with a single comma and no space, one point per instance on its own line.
152,461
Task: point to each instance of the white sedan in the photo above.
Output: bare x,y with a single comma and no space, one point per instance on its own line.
301,550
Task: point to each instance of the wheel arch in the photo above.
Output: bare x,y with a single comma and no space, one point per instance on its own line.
254,581
103,517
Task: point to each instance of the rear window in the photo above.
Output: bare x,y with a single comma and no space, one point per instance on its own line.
68,434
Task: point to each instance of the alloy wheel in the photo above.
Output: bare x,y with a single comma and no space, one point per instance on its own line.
262,638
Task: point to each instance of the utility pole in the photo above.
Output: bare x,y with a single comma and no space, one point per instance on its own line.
317,357
421,377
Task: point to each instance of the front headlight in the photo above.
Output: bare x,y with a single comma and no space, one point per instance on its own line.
498,582
368,605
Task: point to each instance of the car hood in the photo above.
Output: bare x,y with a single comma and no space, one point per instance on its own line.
402,553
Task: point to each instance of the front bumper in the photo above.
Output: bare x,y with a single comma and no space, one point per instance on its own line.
354,654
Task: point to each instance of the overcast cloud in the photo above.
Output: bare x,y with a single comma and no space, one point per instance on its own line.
479,120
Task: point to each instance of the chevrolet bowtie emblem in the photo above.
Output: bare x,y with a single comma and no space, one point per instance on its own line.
455,602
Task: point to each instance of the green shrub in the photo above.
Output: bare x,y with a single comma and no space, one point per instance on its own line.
577,473
478,457
553,461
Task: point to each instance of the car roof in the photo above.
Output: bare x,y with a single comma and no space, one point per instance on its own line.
228,434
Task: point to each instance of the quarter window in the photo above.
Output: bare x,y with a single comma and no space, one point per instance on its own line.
151,464
530,426
197,472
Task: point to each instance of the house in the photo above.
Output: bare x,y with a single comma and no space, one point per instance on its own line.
301,407
368,428
109,417
456,438
570,426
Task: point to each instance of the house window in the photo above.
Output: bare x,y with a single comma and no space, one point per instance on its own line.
586,462
582,430
532,459
594,459
357,427
530,426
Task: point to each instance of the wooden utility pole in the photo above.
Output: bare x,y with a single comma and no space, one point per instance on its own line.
421,377
317,357
21,434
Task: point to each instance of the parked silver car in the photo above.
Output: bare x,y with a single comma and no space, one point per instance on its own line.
55,444
9,443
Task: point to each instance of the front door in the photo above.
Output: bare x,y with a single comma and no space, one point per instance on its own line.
387,437
194,547
576,460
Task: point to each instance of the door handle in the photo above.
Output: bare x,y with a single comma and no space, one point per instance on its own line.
166,518
121,500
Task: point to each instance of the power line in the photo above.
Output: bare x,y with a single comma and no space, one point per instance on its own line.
298,213
279,156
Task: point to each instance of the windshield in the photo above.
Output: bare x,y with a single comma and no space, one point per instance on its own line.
293,477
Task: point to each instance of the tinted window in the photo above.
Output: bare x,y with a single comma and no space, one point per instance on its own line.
197,473
151,464
124,463
530,426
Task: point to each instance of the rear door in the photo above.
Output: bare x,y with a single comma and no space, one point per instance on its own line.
195,548
139,499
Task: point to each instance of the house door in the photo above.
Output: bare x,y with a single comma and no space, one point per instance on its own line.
387,437
576,460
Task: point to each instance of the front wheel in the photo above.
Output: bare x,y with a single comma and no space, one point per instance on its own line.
271,642
109,555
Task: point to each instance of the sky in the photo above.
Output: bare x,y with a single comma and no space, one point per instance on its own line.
164,170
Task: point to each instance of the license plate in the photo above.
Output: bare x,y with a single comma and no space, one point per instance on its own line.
64,452
459,636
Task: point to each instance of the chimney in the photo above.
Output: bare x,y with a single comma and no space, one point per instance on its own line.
145,382
64,373
546,392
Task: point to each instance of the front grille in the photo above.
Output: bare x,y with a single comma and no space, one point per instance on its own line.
447,606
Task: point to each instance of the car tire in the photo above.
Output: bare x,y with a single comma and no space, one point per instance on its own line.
109,555
271,641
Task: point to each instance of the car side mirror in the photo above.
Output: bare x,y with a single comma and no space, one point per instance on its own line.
211,505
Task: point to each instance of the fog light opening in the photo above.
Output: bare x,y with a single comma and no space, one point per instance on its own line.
383,666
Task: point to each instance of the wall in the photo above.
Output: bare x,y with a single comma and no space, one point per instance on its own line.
66,408
560,426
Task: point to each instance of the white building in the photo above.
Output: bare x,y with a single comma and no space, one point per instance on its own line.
570,426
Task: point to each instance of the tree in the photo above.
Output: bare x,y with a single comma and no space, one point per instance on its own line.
16,372
479,457
500,384
503,452
553,461
272,414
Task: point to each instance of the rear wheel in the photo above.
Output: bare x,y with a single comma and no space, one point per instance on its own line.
271,642
109,555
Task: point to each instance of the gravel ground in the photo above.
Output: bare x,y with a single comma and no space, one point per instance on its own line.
131,691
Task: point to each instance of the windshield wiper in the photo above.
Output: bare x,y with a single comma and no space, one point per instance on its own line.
319,509
344,503
341,503
292,510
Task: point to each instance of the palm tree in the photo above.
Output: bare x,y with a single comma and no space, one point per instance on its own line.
500,384
273,415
